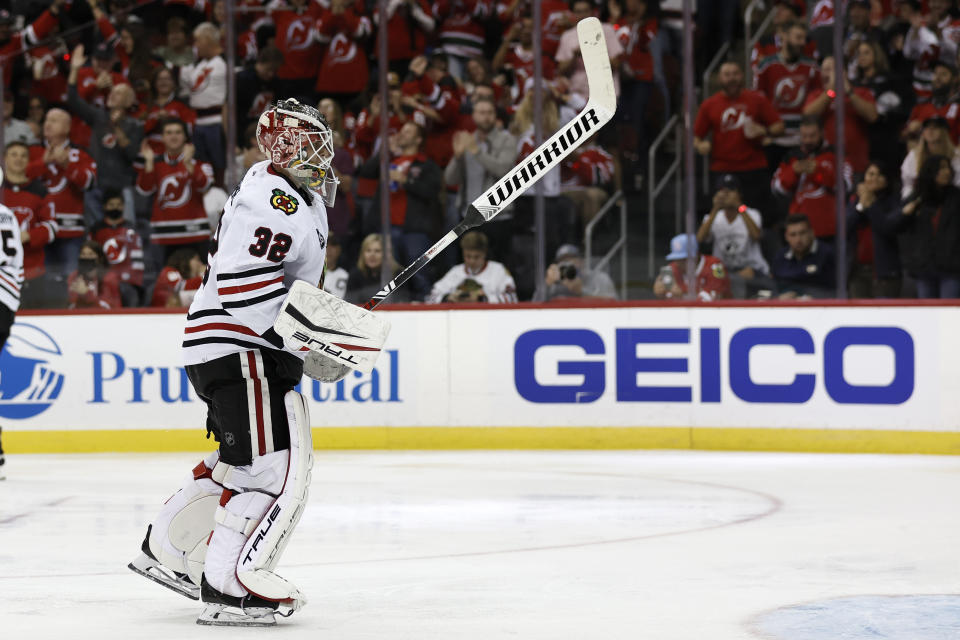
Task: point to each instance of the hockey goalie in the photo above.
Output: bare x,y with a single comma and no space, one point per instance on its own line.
220,537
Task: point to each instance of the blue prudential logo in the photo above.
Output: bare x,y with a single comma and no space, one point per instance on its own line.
29,382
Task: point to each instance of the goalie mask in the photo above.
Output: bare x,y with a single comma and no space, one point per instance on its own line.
297,140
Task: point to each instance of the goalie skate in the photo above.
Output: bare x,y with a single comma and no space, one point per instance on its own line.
147,566
231,611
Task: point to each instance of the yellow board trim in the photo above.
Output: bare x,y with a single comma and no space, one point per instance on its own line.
459,438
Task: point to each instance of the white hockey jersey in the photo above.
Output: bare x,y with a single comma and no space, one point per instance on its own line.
11,260
497,283
270,234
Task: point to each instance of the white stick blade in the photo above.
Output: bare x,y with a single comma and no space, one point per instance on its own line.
596,62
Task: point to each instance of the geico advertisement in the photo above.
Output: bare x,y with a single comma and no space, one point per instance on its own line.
828,367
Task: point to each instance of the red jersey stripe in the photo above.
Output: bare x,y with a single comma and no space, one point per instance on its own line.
226,291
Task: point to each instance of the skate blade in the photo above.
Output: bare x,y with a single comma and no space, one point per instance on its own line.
220,615
151,572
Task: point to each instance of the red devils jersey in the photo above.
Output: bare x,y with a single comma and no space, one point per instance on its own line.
461,32
33,34
124,251
950,111
178,213
344,68
771,45
522,62
49,82
786,86
636,39
855,132
406,34
555,20
725,117
65,186
813,193
712,277
156,114
101,294
297,40
35,214
364,139
590,166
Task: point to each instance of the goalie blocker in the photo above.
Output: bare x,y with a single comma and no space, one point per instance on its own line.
313,319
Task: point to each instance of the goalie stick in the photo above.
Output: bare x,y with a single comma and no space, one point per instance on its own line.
600,108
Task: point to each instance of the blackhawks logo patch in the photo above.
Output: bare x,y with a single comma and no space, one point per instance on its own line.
283,201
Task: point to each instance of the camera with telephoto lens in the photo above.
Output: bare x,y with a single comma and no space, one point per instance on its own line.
568,271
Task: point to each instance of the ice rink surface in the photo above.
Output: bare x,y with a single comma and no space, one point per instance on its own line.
544,545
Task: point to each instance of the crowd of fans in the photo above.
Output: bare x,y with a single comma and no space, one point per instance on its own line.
115,151
770,150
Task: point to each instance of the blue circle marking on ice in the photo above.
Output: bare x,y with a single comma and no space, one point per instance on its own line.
29,379
866,617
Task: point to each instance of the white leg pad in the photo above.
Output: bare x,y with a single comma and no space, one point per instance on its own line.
235,521
262,550
178,537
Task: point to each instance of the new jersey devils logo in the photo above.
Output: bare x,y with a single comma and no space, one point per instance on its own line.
788,93
282,201
731,119
342,50
173,192
298,36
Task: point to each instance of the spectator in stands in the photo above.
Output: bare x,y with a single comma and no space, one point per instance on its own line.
248,151
93,285
588,177
364,279
176,50
806,268
114,142
739,121
859,28
569,276
462,34
48,70
807,178
940,103
934,141
340,215
893,96
94,84
36,112
122,247
735,231
570,62
296,39
942,21
335,277
872,237
785,13
480,158
67,172
12,42
163,106
344,71
409,24
415,186
205,82
860,111
930,225
921,46
15,130
494,280
712,281
26,198
637,33
431,93
179,280
257,87
786,79
179,219
516,54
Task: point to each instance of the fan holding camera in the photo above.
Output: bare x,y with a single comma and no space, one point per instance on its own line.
568,277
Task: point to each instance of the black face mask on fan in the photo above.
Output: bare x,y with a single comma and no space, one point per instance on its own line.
86,265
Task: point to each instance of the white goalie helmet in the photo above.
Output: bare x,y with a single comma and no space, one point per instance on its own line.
297,140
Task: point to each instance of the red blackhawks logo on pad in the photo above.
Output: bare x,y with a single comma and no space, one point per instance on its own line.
284,202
